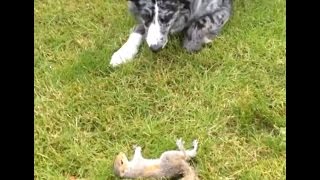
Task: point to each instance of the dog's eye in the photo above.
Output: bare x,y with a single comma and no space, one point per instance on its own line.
146,19
145,16
121,162
162,20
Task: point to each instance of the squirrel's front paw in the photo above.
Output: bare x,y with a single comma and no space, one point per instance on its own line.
180,143
137,148
195,143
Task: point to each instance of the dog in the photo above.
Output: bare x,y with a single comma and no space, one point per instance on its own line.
199,20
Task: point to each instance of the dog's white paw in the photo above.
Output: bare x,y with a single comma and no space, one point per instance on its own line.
123,55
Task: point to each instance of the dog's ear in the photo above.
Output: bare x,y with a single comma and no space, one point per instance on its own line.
136,1
139,0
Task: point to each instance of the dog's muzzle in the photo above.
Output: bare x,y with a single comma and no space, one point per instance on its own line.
156,47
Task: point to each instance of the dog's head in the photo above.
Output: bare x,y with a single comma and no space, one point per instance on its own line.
158,17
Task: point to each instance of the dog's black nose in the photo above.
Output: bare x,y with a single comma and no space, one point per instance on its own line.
155,48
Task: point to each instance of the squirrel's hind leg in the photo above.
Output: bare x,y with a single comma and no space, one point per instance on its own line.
191,152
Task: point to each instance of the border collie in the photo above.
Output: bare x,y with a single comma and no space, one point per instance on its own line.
199,20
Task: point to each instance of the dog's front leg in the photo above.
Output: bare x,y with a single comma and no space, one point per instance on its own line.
128,50
205,29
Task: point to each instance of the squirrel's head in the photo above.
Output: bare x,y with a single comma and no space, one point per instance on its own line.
120,164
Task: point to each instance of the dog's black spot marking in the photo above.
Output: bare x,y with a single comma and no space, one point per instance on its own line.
211,19
186,4
199,25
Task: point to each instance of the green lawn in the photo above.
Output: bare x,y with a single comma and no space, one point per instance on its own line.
230,96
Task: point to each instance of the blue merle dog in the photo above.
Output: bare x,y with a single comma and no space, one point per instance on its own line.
199,20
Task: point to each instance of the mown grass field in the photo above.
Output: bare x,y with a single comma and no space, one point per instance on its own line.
230,96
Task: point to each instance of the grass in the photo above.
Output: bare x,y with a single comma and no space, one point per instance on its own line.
230,96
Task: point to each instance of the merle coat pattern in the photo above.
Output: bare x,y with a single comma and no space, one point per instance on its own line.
199,20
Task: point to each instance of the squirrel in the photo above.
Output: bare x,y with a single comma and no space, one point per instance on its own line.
171,164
